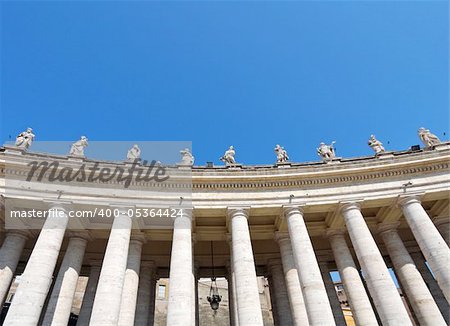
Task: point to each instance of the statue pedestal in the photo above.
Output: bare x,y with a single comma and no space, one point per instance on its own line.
283,165
235,166
10,149
385,155
182,166
442,146
334,160
76,158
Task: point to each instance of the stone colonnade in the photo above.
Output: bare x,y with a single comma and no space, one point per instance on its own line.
121,289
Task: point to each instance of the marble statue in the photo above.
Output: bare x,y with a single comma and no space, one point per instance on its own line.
282,155
186,157
376,145
326,152
77,148
25,139
427,138
228,157
134,153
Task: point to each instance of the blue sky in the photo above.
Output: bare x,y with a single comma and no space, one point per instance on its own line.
248,74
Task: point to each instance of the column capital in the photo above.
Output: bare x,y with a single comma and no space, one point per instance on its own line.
138,236
281,236
405,200
81,234
345,206
338,232
63,205
387,227
238,211
21,233
290,209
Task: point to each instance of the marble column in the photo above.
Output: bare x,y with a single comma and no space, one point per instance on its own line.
443,225
412,282
432,285
249,306
108,297
430,241
36,279
146,286
9,258
294,290
179,310
228,277
381,286
89,294
332,295
61,298
131,281
280,293
354,288
314,292
273,303
234,317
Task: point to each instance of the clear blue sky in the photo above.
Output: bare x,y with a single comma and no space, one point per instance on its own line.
248,74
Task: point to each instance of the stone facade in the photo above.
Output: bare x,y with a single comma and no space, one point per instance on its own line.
289,225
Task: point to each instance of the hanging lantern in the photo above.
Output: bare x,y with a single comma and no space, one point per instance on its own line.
214,297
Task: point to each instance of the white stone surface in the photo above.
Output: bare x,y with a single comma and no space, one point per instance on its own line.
280,295
294,290
89,294
9,257
381,286
35,282
131,282
420,298
249,306
314,292
61,298
108,296
354,288
146,293
332,295
179,310
430,241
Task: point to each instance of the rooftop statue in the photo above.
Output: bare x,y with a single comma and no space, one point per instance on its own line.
134,153
228,157
186,157
77,148
25,139
282,155
376,145
326,152
427,138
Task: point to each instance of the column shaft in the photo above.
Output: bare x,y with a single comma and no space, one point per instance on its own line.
354,288
280,293
179,310
36,279
89,294
332,295
381,286
249,306
9,258
60,303
108,297
443,225
294,290
146,277
433,246
131,283
313,289
234,317
415,288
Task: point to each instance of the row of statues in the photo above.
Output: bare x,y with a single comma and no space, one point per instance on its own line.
326,152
